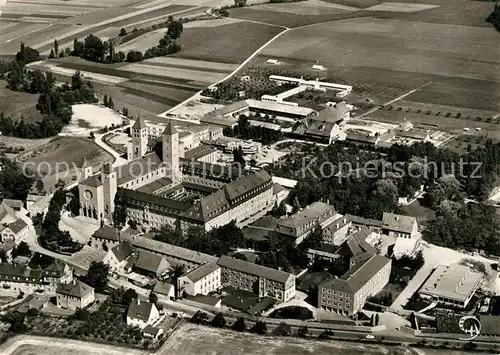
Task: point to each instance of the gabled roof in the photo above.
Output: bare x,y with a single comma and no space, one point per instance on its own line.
199,152
140,310
138,167
163,288
170,130
92,181
364,221
151,262
139,123
123,250
17,226
107,233
13,203
332,114
202,271
75,289
55,269
6,210
398,223
205,299
354,279
253,269
316,210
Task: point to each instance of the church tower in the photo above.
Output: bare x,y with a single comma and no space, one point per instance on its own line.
85,170
139,133
170,147
109,183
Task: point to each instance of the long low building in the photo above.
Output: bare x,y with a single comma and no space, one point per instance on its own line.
172,253
258,279
452,285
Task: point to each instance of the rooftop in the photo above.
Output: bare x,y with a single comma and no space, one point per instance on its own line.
455,282
199,152
150,262
364,221
171,250
208,300
138,167
140,309
359,275
253,269
75,289
123,250
202,271
398,223
107,233
163,288
155,185
314,211
17,226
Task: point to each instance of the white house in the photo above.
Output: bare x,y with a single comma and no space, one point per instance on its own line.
16,231
117,257
142,313
74,295
399,226
164,290
202,280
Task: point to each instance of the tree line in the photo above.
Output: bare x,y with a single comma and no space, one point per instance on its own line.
494,17
94,49
54,103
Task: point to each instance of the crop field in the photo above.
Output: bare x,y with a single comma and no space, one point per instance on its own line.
231,43
16,104
360,4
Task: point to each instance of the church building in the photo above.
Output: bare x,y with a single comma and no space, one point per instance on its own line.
155,190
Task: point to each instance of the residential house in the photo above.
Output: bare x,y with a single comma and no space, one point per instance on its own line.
258,279
153,332
164,290
399,226
337,231
15,231
74,295
202,280
105,238
57,273
346,295
142,313
117,256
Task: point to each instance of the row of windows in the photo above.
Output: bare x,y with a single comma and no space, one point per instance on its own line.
333,292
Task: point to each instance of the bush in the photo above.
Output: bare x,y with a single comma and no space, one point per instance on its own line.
239,325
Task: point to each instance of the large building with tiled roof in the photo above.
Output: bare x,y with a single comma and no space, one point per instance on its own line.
156,191
346,295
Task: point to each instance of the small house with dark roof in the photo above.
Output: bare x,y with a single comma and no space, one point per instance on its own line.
399,226
74,295
202,280
117,256
149,264
164,290
203,300
16,231
142,313
105,238
153,332
346,295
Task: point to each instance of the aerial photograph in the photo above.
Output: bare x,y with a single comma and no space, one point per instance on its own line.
256,177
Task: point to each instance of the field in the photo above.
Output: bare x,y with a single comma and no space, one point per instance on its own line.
16,104
231,43
386,58
61,157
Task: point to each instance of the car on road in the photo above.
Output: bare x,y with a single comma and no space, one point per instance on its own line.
369,336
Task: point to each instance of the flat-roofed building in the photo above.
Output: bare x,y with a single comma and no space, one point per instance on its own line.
452,285
346,295
258,279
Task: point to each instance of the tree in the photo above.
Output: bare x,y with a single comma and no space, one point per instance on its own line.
97,275
56,47
283,329
23,249
239,325
129,296
105,101
39,185
94,48
176,271
153,298
303,332
78,48
123,32
76,81
219,321
111,104
52,55
200,318
27,55
447,188
240,3
16,76
260,328
175,29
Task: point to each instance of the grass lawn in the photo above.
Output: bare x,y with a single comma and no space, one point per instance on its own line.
231,43
61,158
16,104
311,279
